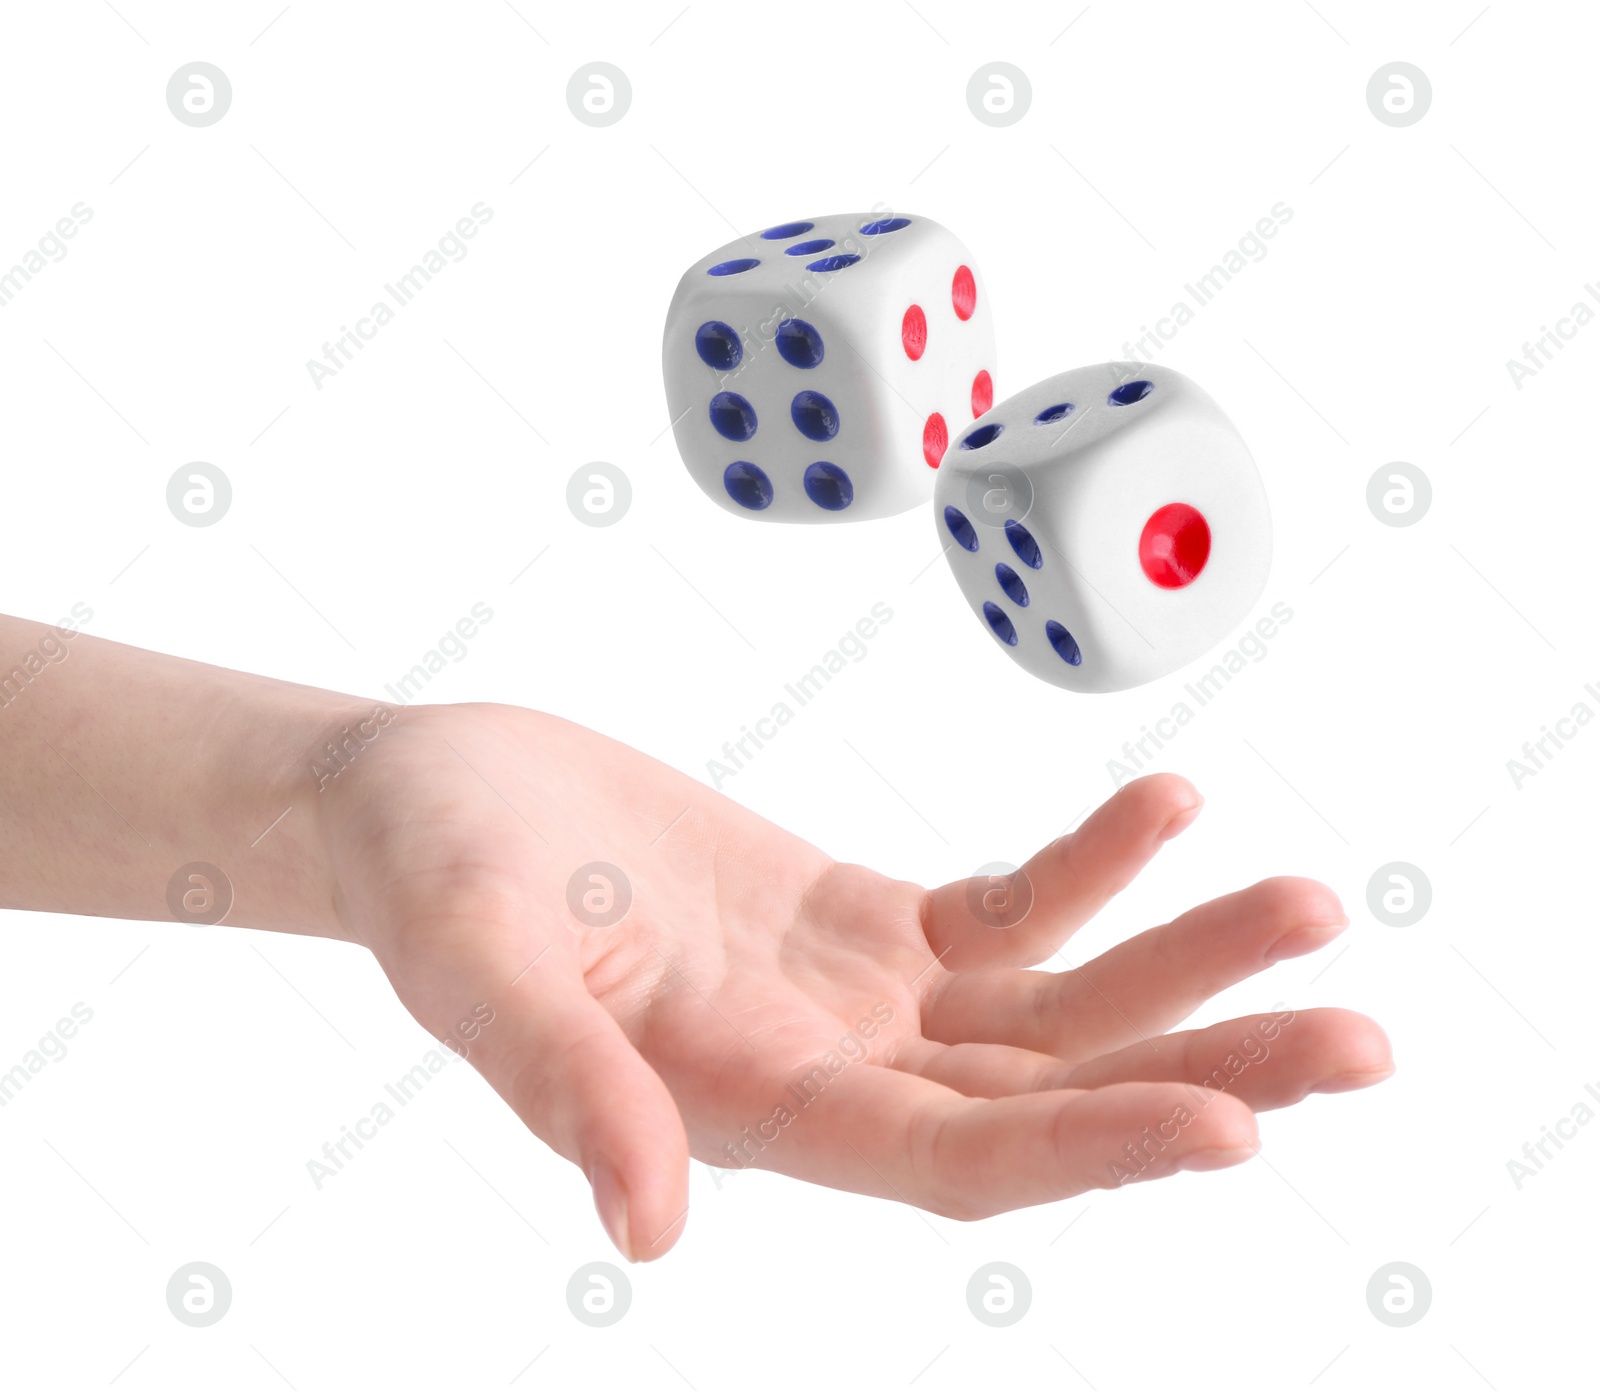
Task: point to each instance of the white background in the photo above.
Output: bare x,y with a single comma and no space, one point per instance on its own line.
370,515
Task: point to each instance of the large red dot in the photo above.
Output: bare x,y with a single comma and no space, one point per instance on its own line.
914,332
964,293
1174,545
935,439
982,394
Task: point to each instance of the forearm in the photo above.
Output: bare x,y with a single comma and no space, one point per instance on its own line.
121,766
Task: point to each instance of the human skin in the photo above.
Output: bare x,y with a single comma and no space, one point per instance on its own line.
445,845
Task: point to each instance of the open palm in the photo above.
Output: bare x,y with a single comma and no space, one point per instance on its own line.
671,975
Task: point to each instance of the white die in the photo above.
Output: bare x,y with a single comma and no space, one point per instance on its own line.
1107,525
816,371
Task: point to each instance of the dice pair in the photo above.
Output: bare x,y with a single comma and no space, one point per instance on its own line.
1106,525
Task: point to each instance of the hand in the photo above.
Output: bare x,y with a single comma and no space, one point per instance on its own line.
759,1003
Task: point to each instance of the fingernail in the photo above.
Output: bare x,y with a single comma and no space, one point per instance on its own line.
1200,1161
1181,821
1303,940
1351,1081
611,1202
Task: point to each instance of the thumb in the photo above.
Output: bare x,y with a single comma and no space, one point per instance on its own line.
567,1069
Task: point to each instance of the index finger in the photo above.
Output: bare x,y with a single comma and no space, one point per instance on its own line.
1021,919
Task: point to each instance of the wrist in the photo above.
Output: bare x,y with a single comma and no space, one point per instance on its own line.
275,762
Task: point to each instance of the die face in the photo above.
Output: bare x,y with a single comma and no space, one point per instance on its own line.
802,387
1134,531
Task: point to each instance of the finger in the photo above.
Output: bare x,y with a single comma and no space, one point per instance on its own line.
1266,1060
567,1069
556,1056
1142,987
896,1135
984,1069
1021,919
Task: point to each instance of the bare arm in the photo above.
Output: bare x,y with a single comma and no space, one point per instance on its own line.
645,970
